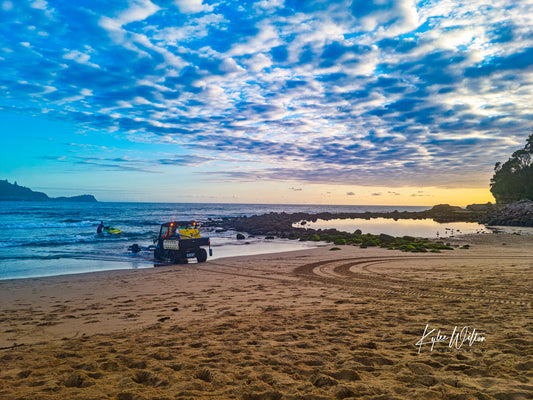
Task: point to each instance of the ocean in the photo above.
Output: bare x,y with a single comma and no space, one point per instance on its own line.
54,238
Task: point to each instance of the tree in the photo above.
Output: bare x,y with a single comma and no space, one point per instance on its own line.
513,180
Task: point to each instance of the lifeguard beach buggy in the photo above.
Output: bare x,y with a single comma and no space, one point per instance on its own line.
179,241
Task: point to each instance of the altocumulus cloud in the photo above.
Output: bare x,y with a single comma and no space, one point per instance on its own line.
353,92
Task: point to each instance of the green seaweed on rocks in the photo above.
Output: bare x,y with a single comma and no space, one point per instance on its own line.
404,243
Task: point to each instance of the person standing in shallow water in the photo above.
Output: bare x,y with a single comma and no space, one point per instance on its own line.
100,227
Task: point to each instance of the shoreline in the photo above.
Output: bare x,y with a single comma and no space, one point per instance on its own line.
315,324
145,260
63,240
243,248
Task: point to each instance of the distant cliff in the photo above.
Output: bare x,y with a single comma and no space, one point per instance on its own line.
14,192
84,198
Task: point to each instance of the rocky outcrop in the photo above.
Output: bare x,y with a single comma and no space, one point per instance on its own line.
515,214
287,225
14,192
447,213
84,198
281,224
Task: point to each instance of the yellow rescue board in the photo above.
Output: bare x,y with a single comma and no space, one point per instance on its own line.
189,233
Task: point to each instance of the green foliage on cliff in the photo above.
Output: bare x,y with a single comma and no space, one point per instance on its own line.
513,180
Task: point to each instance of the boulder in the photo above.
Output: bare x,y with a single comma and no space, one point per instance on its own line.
519,213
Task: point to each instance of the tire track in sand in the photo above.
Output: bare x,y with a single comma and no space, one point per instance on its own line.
369,274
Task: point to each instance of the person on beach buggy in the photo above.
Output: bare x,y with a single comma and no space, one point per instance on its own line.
169,232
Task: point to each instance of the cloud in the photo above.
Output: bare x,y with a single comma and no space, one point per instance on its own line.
39,4
79,58
350,194
138,10
192,6
517,61
390,17
362,93
420,193
7,5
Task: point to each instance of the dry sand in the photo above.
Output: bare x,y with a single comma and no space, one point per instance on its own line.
313,324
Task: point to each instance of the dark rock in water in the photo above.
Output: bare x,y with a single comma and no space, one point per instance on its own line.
285,225
515,214
447,213
445,208
290,225
480,207
84,198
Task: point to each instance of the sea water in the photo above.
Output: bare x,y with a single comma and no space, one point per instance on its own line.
54,238
424,228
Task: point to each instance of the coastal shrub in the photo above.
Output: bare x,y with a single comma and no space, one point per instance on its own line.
334,248
512,179
315,238
339,241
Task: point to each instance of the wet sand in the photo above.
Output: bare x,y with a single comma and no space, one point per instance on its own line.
311,324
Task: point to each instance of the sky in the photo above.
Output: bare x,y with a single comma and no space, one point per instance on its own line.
320,102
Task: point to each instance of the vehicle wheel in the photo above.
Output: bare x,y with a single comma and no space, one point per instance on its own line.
158,253
201,255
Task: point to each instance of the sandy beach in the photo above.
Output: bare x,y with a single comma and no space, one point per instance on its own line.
312,324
